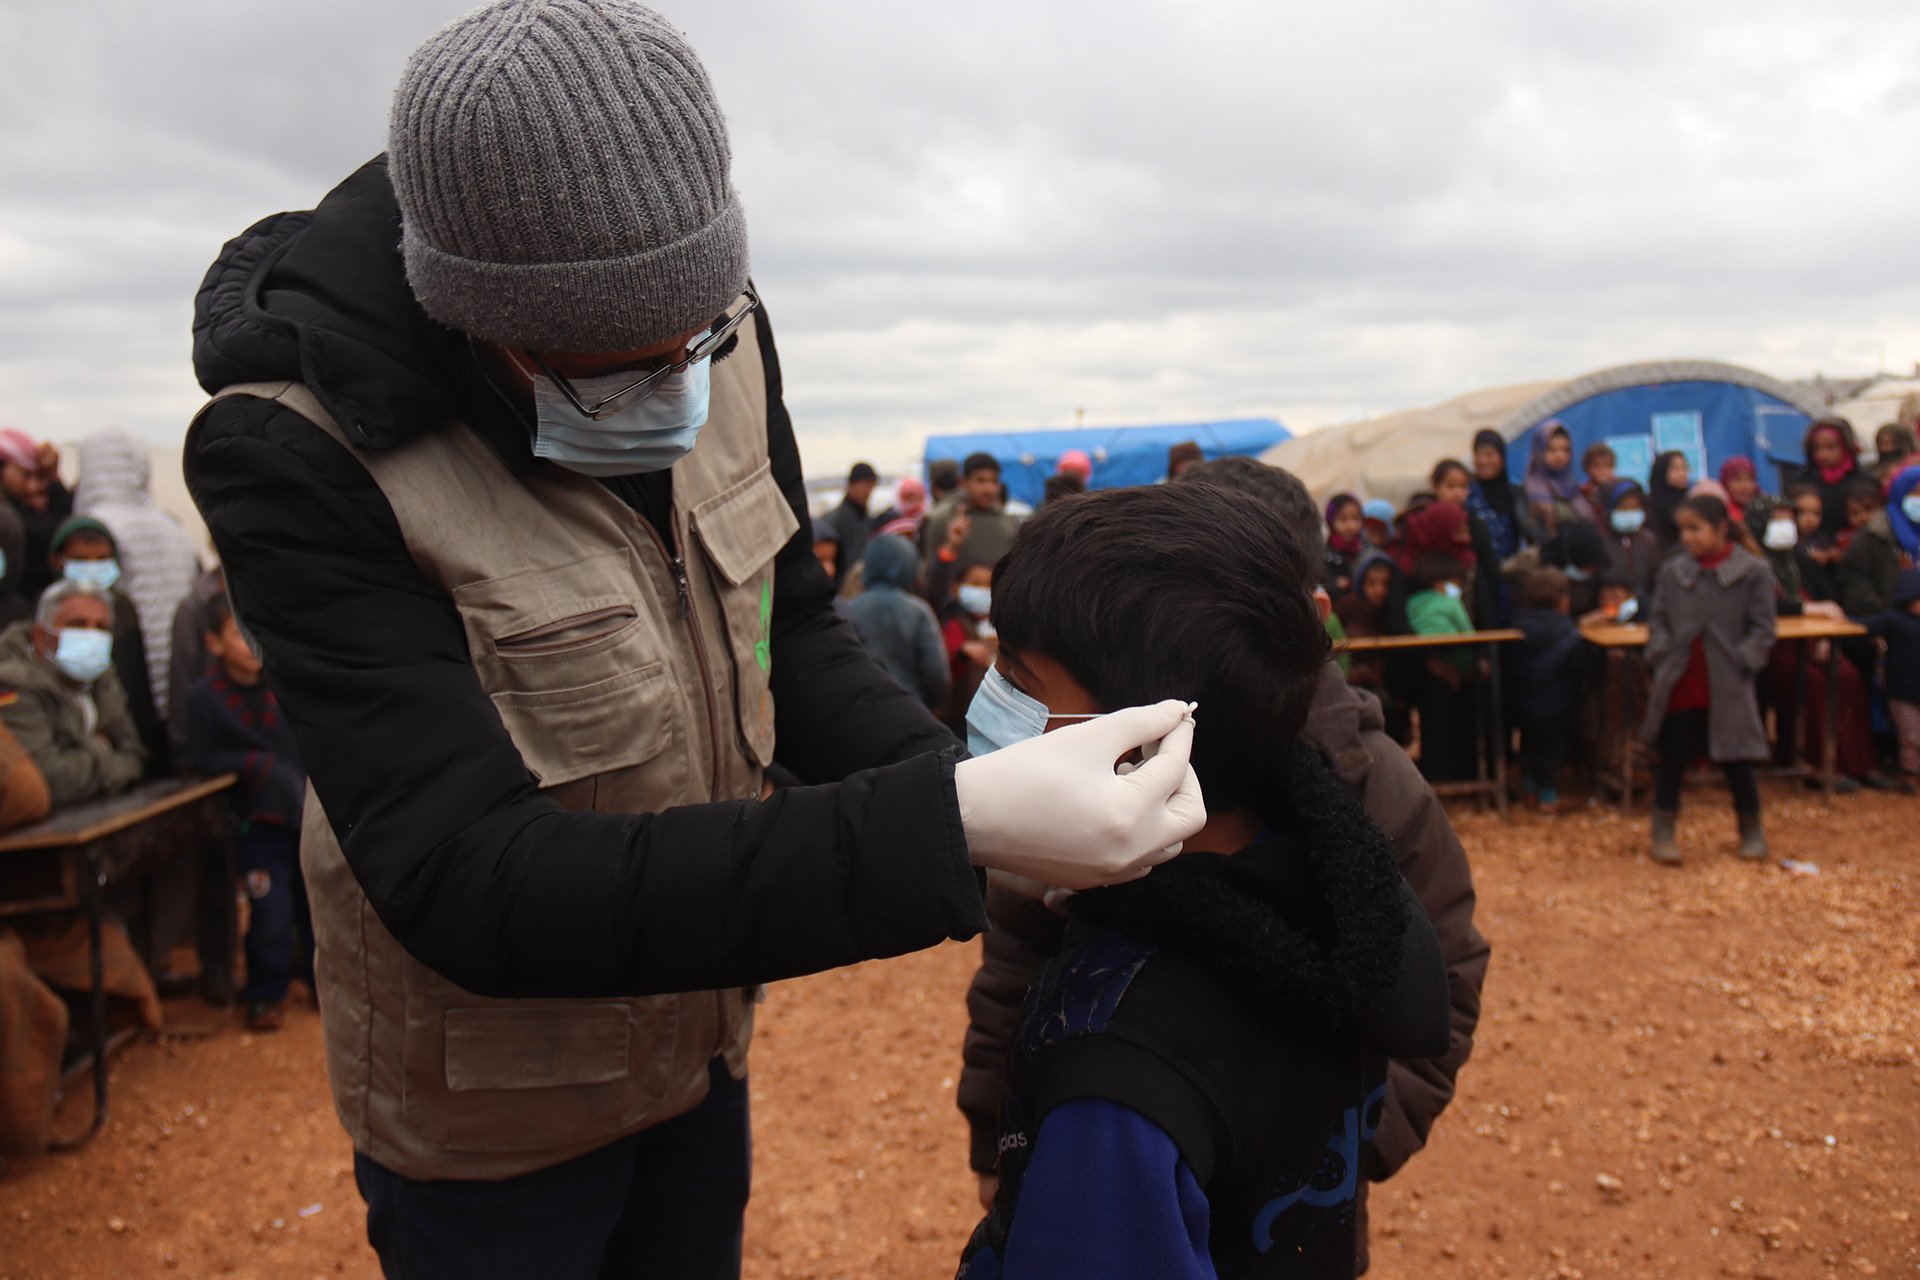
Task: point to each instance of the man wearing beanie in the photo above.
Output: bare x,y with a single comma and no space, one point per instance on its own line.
499,469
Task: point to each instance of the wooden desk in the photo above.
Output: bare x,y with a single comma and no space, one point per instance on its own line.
70,860
1800,630
1487,709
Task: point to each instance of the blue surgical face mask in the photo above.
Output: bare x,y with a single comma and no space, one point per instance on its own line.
83,654
94,573
1576,574
1781,535
1629,610
1451,590
1910,507
1627,519
651,434
977,601
1000,715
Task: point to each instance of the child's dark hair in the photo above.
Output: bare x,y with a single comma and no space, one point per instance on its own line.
1708,508
1433,567
1804,490
219,609
1185,591
1282,493
1446,467
1861,491
1544,588
1601,452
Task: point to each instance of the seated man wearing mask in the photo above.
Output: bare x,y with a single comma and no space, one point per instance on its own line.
85,551
64,701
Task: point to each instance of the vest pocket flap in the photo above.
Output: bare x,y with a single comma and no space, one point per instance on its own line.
745,525
503,612
570,733
536,1048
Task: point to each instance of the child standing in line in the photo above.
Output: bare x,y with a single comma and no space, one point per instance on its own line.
1445,703
1709,635
1346,543
234,725
1549,674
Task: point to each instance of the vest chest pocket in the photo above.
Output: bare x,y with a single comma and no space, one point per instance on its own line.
574,661
742,529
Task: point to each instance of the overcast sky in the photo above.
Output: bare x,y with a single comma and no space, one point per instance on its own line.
996,214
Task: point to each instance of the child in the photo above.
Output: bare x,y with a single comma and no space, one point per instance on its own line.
897,626
1867,568
1364,611
1632,550
1600,463
1376,522
1445,698
969,638
1815,553
1549,674
1833,458
1196,1074
234,725
1667,485
1345,543
1900,628
1709,634
1619,602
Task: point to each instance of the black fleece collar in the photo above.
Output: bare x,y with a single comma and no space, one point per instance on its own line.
1308,920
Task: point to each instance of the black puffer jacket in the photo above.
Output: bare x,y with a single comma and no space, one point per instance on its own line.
478,874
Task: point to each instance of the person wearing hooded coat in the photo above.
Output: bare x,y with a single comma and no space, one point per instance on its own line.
896,625
158,563
1632,550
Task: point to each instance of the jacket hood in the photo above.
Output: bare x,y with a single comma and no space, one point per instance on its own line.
892,562
1905,531
113,468
1337,716
321,298
20,665
1308,921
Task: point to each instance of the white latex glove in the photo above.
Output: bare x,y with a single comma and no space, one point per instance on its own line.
1055,810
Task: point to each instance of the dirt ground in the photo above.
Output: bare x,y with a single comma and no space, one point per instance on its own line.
1710,1071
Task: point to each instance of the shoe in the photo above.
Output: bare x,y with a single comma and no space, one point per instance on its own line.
1664,851
1753,841
262,1016
1842,785
1882,782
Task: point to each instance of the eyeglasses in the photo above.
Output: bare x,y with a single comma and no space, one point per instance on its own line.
645,384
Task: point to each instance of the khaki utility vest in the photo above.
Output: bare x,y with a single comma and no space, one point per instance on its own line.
630,682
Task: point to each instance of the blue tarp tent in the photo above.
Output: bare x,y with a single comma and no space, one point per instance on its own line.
1121,455
1706,410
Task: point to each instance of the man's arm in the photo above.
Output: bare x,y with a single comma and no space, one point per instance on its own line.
73,774
835,710
1435,865
127,759
479,875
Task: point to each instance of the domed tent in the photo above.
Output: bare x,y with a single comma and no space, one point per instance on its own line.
1707,410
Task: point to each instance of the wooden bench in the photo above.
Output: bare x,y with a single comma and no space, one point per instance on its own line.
72,859
1488,713
1631,637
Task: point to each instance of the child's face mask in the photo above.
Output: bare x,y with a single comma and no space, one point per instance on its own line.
1000,715
1451,590
977,601
1781,535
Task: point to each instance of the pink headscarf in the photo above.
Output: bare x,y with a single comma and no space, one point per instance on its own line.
19,448
1075,462
910,496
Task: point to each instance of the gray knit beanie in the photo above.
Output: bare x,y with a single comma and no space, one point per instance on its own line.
562,172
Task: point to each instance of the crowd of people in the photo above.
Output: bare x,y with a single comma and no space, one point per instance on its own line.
122,662
1705,562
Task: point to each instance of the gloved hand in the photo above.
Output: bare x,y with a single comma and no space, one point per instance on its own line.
1054,808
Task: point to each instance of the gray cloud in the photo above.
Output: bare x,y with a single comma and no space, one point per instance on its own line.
995,215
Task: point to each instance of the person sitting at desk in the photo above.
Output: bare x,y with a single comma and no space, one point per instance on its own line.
68,708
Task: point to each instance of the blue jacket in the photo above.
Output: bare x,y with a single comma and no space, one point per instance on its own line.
1548,672
897,626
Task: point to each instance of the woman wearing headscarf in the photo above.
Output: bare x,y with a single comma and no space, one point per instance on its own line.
1491,497
1552,485
1893,450
1903,509
1345,544
908,510
1833,455
1666,490
1488,599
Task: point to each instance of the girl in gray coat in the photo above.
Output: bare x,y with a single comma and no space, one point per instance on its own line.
1710,633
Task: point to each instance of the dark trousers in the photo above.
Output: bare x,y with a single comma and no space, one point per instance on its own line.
1543,749
1683,739
665,1204
279,924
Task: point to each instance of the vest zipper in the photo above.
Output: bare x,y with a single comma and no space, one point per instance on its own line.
683,588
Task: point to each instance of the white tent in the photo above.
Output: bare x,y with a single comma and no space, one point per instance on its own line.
1390,457
1882,401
